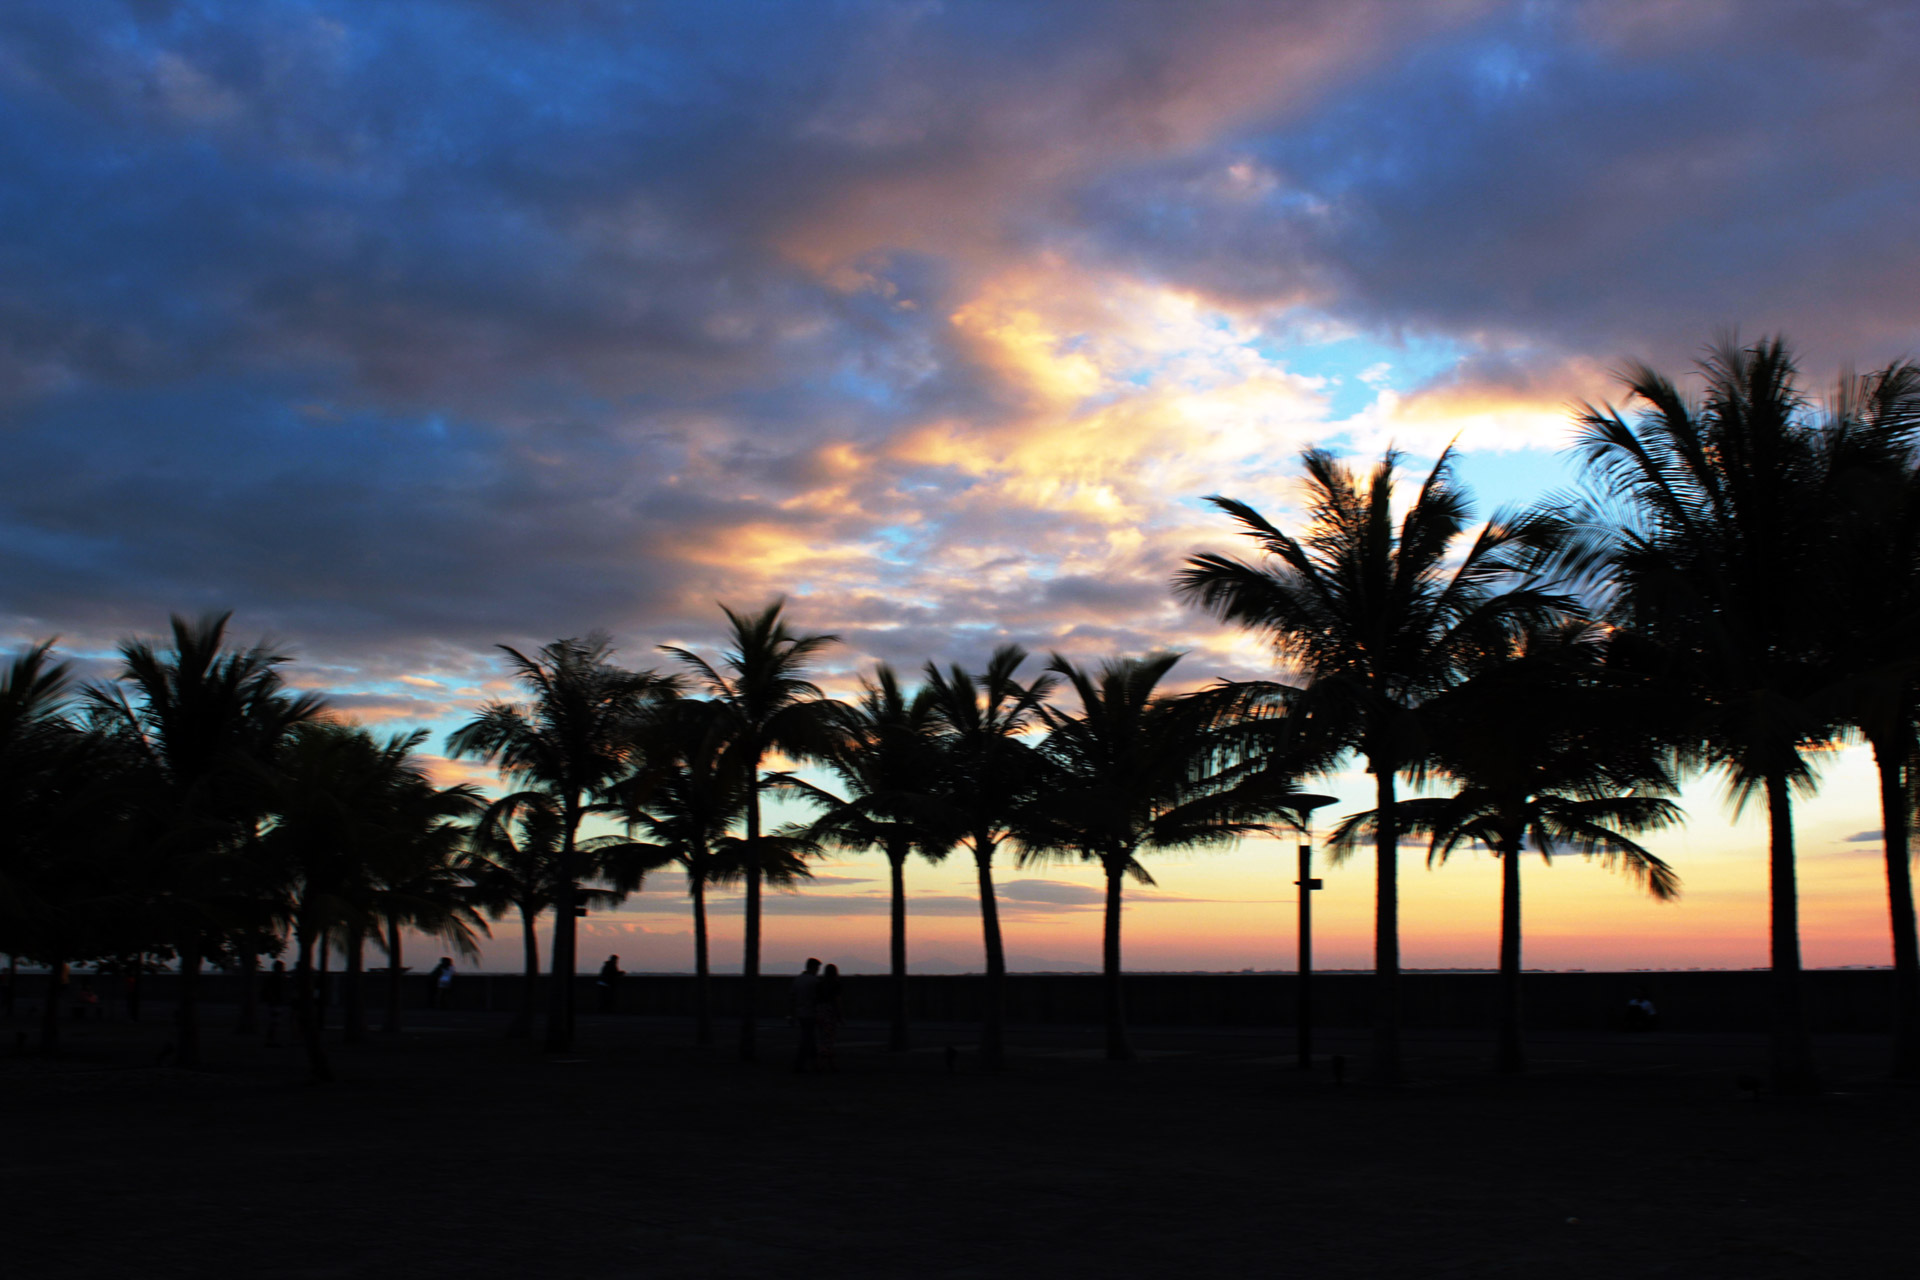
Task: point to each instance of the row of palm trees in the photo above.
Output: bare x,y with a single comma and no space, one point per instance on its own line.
1734,589
195,809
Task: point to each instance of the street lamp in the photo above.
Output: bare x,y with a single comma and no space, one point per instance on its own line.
1304,805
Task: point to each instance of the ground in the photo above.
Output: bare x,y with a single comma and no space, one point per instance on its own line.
447,1150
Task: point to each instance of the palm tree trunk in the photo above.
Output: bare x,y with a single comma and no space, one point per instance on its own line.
249,993
521,1028
897,945
187,1053
994,1010
354,1001
1894,761
702,968
750,961
395,971
1386,1066
306,1011
1118,1049
1792,1067
323,994
560,998
50,1011
1510,1056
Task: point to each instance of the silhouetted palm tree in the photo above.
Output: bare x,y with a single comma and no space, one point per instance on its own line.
66,791
683,801
886,761
985,781
1872,480
326,794
573,739
1132,772
413,877
209,722
513,864
1375,615
1720,553
769,706
1542,748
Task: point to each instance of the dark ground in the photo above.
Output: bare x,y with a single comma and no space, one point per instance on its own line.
447,1151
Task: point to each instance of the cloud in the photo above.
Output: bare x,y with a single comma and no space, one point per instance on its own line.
1058,893
409,330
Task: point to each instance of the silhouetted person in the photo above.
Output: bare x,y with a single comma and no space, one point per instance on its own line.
439,982
273,994
610,975
806,1015
130,990
1640,1012
826,1007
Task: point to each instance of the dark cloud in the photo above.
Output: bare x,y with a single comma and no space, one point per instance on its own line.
1608,178
408,329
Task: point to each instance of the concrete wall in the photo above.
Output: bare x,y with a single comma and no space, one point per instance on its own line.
1837,1000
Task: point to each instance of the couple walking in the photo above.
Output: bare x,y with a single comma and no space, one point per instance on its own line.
816,1010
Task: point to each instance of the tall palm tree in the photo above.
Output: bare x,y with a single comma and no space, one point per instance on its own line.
770,706
326,796
885,762
412,876
513,864
208,722
985,779
1544,749
683,801
1716,537
1375,615
1871,472
1132,772
574,738
64,789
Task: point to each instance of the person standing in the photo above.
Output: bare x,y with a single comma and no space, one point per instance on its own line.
806,1015
610,975
439,982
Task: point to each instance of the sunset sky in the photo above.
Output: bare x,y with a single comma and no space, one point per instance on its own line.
405,330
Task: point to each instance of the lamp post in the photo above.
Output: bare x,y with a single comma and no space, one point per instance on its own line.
1304,805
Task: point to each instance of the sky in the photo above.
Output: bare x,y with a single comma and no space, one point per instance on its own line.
406,331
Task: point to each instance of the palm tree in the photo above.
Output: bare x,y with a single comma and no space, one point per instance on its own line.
984,781
64,790
207,721
885,762
1375,617
684,799
513,864
1132,772
413,875
572,740
326,797
1543,749
769,706
1719,544
1872,477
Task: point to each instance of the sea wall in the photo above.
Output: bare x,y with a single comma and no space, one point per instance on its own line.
1837,1000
